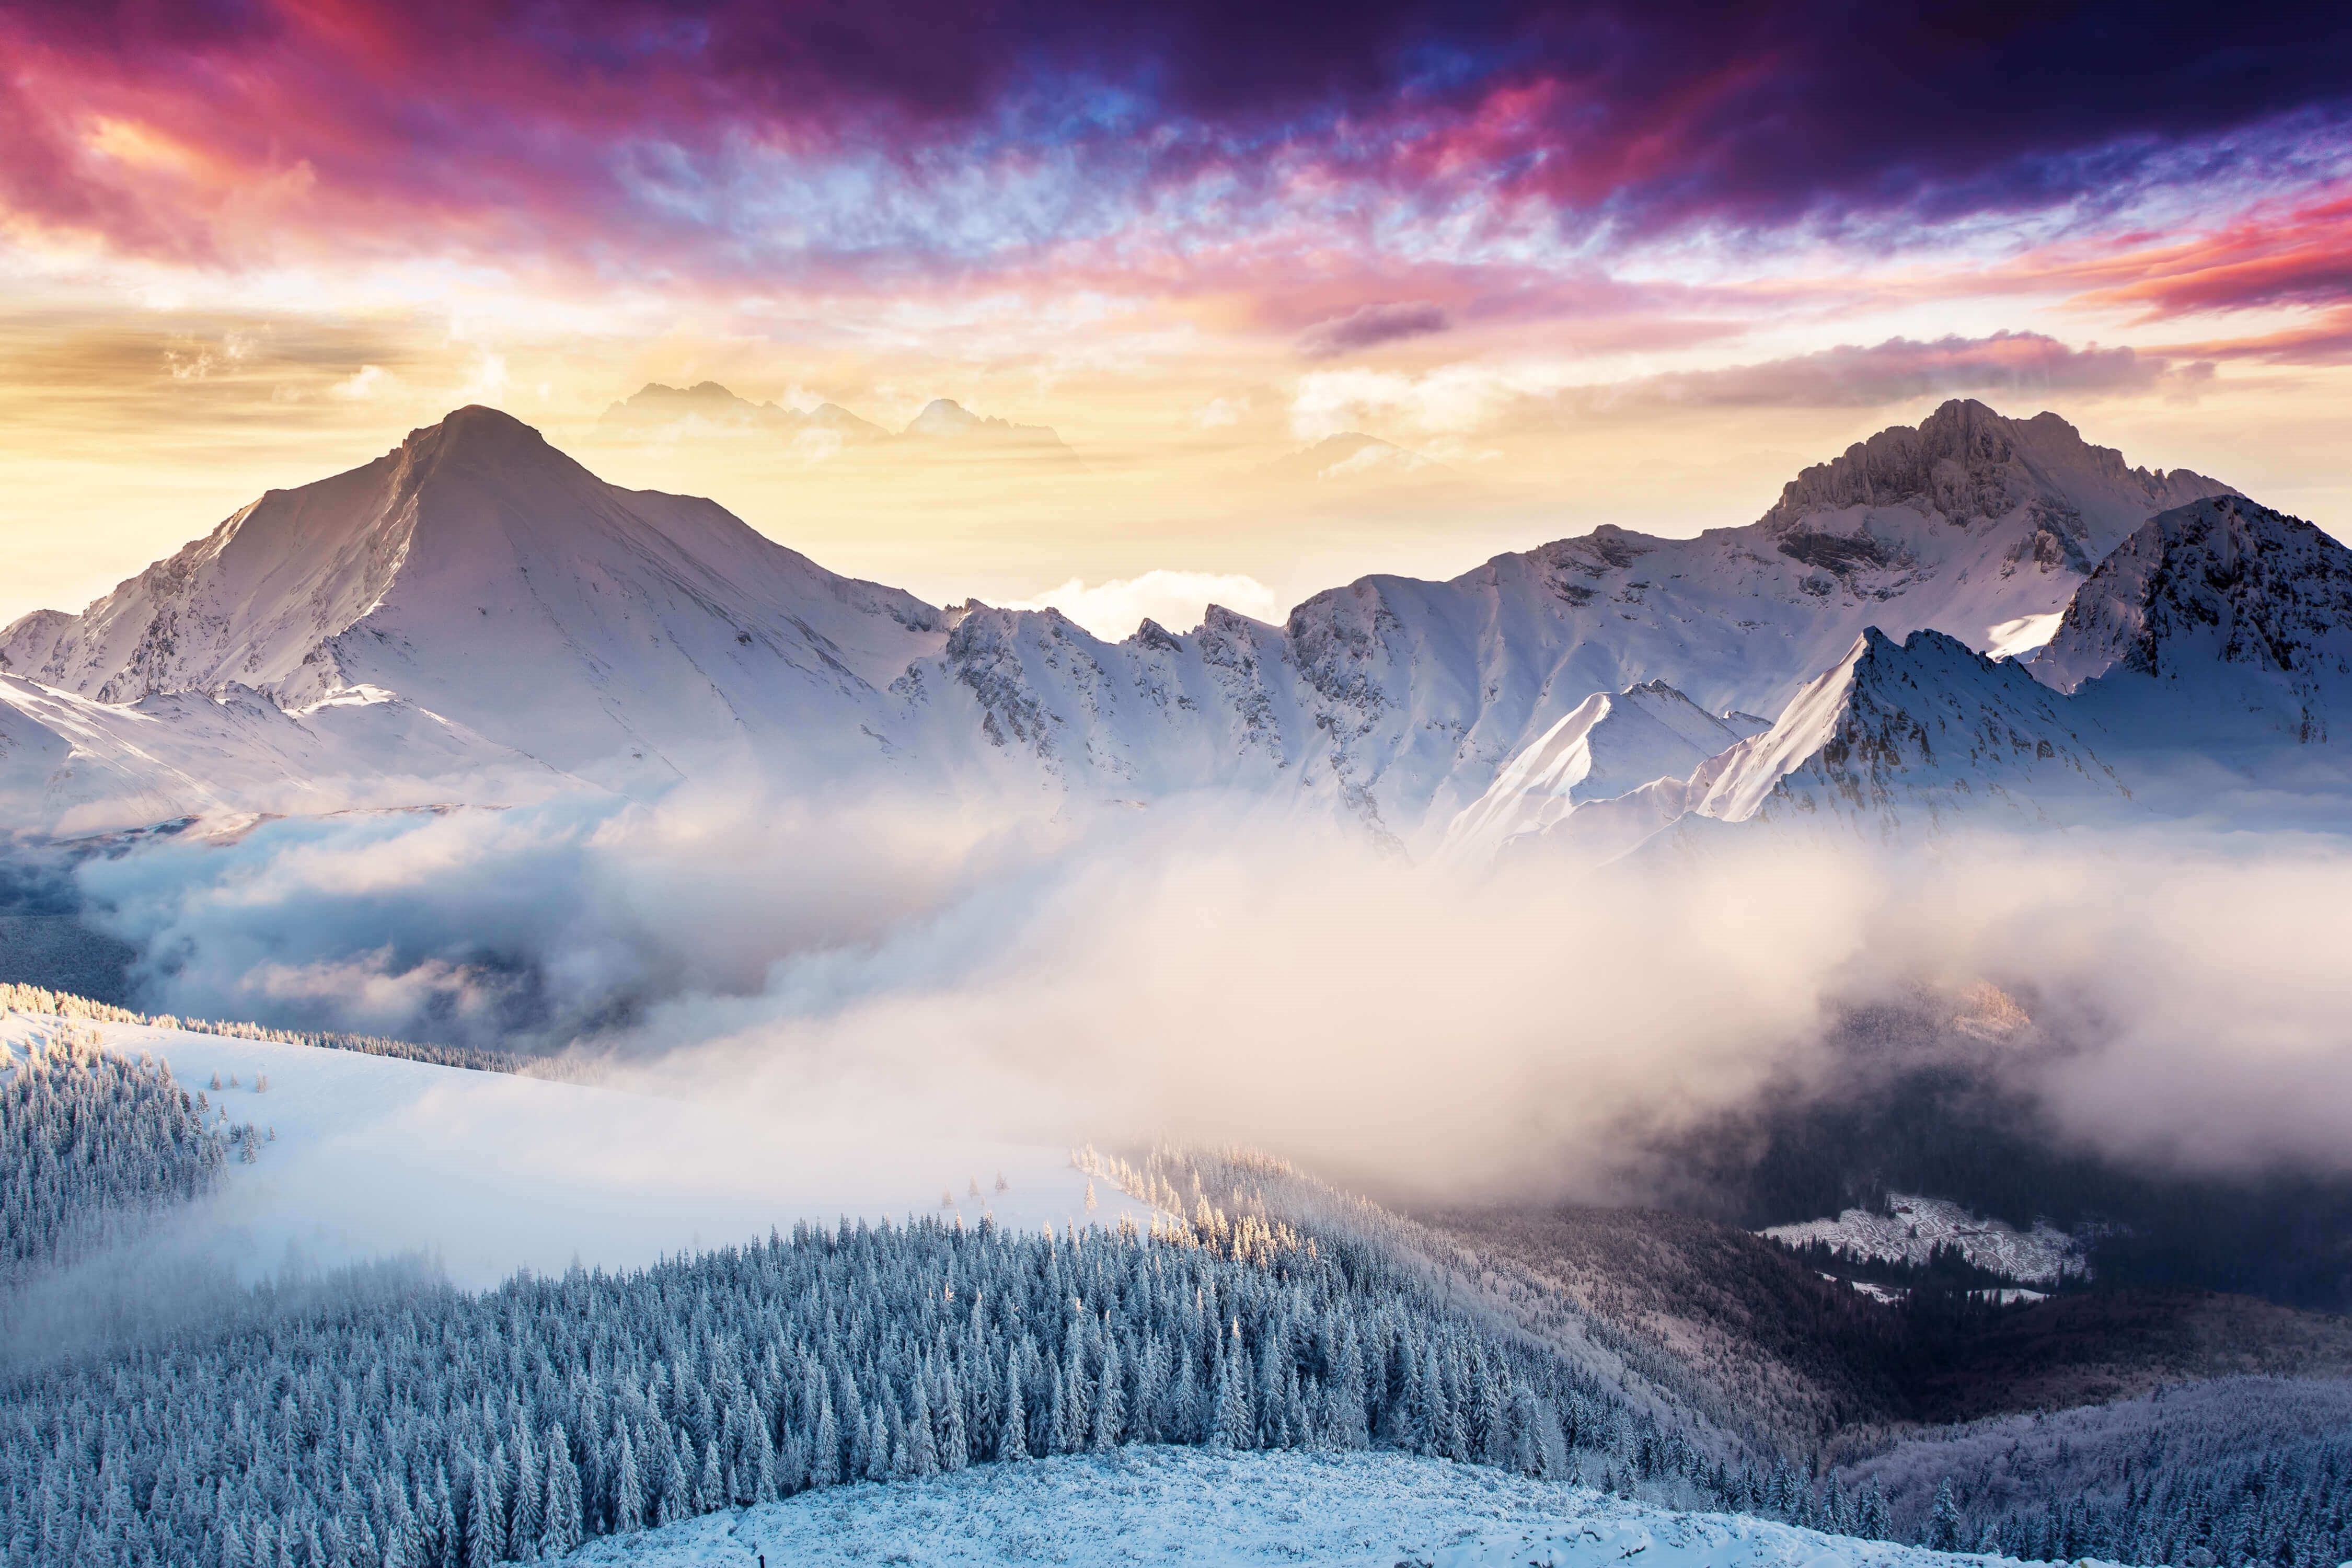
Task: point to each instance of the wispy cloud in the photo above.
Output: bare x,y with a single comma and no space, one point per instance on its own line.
1371,326
2029,365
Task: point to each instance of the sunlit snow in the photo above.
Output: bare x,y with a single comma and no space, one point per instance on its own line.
1914,1226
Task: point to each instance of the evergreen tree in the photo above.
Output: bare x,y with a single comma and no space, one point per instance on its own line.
629,1489
825,1457
1012,1439
1944,1523
709,1490
1110,1404
923,1454
564,1528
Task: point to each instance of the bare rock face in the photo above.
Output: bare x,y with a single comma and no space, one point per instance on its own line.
1969,465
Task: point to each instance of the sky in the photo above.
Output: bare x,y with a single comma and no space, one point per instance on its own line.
1575,264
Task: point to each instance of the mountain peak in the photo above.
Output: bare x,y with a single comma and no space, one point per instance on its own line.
1925,725
943,417
1970,463
477,432
1610,745
2222,590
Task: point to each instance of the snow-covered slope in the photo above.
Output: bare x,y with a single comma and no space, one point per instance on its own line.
476,572
495,1172
1915,1225
492,1172
1608,745
69,766
1926,732
1220,1510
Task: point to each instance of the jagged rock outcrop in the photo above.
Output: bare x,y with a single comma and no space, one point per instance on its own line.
1610,746
1921,734
2225,612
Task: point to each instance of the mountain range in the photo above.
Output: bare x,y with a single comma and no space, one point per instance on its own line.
473,616
656,411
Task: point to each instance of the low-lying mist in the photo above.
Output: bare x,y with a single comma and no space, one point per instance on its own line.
1057,974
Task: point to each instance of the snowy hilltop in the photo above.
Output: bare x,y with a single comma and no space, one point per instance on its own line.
474,617
1233,1510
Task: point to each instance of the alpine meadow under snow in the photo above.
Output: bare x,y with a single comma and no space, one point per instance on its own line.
1821,1041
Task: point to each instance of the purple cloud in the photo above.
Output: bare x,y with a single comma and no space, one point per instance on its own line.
680,129
1371,326
1853,377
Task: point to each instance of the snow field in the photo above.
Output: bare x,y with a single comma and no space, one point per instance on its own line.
377,1157
1919,1224
1191,1505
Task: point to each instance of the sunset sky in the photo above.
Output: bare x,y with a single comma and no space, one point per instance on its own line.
1598,263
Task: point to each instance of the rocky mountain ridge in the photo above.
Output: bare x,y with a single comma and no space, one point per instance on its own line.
629,638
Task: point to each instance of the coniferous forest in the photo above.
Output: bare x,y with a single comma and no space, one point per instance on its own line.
86,1141
395,1422
455,1429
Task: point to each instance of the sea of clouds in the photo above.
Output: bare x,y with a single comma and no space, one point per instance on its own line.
1057,975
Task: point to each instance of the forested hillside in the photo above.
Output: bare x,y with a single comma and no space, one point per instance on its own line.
1918,1106
2236,1472
89,1141
451,1429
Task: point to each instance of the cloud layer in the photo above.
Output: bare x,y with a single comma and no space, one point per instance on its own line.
1187,973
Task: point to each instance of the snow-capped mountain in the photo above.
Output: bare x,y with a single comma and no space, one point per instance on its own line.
660,412
656,410
626,636
2196,672
1404,699
945,419
480,578
1611,746
1923,732
2213,650
1921,735
2238,617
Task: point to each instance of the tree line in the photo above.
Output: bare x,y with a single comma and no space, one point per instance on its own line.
41,1002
